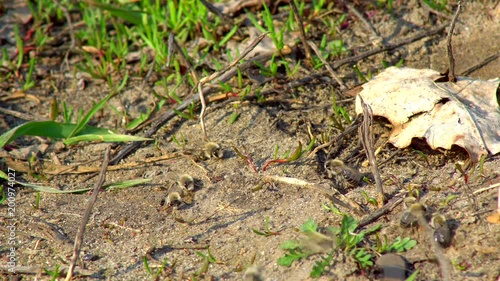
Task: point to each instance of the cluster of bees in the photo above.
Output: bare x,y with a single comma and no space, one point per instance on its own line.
416,214
183,190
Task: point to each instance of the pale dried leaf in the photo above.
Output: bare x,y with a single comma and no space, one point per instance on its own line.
465,113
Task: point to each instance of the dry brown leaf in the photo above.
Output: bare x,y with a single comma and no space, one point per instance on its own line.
465,113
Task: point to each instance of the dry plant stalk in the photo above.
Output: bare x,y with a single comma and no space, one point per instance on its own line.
327,65
449,49
86,215
303,36
217,74
366,135
331,194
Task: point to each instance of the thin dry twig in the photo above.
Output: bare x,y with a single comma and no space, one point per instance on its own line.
71,33
216,74
303,36
327,65
393,203
331,194
449,49
480,65
366,135
216,11
86,215
368,25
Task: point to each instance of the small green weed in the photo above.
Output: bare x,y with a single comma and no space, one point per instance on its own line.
344,239
267,230
155,275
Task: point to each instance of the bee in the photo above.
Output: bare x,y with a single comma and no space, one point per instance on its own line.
173,199
212,150
253,273
442,233
186,182
414,211
339,171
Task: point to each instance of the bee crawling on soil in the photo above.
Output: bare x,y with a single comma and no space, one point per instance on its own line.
340,172
414,211
212,150
186,182
173,199
442,233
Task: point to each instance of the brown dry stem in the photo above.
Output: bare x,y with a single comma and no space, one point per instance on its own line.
449,48
86,215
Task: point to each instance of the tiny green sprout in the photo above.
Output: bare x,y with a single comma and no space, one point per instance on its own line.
331,208
246,158
360,75
36,206
369,200
447,200
267,230
54,274
207,260
296,155
426,159
234,116
155,275
460,265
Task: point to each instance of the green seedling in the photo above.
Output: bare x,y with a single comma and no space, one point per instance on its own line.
344,239
36,206
207,260
234,116
54,274
331,208
20,47
276,36
399,245
426,159
271,71
183,141
460,265
437,5
385,3
296,155
246,158
3,194
340,115
29,83
369,200
359,74
447,200
155,275
317,5
267,230
322,265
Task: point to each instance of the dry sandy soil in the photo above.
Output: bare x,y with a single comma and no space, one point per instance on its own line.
230,199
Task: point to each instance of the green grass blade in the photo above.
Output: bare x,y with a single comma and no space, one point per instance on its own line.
61,131
131,16
81,123
48,189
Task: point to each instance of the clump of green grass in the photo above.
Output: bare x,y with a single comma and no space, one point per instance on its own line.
344,239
